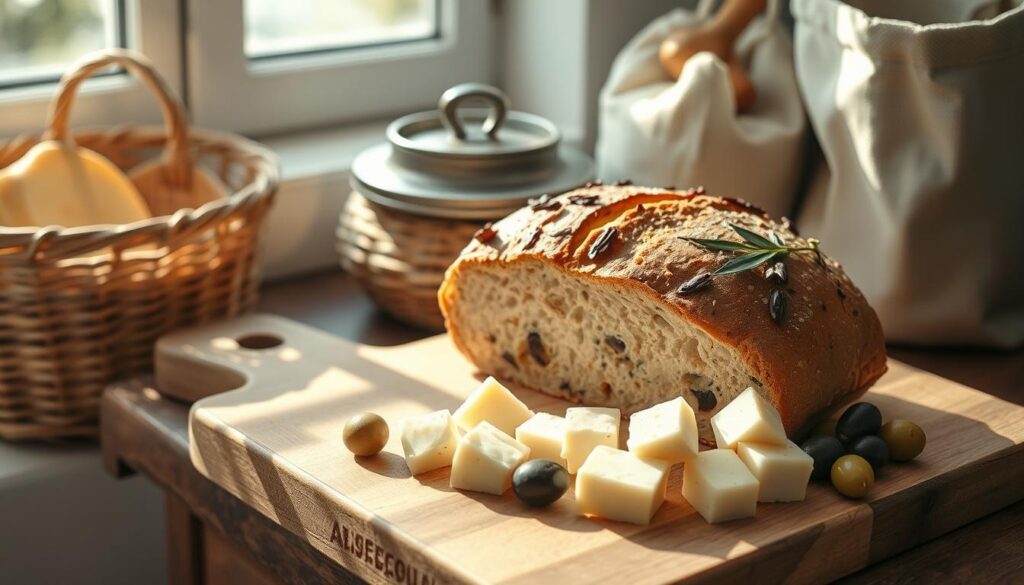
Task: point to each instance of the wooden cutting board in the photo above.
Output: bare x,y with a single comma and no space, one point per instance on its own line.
269,431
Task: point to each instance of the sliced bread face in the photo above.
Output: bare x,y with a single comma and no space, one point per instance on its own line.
591,341
578,296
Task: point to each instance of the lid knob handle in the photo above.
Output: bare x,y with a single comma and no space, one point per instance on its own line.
453,96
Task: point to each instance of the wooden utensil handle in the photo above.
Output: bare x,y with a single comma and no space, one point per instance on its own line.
734,16
177,159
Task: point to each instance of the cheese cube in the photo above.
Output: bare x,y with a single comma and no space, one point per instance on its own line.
748,418
666,431
618,485
485,459
719,486
429,441
544,434
586,428
782,472
495,404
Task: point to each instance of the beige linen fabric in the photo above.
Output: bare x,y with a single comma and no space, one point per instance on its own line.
919,110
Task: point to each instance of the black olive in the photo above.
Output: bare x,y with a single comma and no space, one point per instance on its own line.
706,399
859,420
824,451
539,482
873,449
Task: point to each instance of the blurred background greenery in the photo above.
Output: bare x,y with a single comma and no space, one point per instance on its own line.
39,37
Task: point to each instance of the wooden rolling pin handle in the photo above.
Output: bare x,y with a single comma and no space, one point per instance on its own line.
734,16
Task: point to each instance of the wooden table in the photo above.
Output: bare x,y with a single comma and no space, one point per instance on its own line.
213,538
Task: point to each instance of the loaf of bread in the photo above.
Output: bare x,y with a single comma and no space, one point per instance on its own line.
579,296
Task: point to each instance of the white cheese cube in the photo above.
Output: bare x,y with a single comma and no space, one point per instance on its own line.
544,434
587,427
485,460
495,404
666,431
429,441
782,472
748,418
719,486
618,485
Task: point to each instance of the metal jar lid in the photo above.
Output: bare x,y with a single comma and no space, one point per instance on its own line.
468,163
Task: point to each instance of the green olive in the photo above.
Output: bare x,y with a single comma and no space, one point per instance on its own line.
905,439
852,476
366,434
824,428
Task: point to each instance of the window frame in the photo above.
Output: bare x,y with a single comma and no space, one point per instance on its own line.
359,83
152,28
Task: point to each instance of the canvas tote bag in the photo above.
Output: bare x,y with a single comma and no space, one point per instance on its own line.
919,110
686,133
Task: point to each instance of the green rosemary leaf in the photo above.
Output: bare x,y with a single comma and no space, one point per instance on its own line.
746,261
776,238
721,245
754,238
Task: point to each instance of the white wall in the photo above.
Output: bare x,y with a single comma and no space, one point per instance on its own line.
542,59
555,56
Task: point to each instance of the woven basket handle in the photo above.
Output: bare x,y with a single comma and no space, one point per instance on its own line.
177,162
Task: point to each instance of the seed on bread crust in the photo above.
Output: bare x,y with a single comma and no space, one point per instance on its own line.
485,234
603,242
585,200
534,236
777,273
777,305
544,202
697,283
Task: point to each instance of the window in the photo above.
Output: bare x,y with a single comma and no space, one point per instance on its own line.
305,63
251,66
39,39
276,29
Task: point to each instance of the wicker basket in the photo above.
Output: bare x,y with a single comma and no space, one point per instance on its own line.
81,307
400,258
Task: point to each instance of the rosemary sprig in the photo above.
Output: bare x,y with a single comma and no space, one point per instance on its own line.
755,249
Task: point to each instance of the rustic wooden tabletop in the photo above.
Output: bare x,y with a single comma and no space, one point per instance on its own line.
213,537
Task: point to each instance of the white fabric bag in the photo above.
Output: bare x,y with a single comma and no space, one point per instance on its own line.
921,194
686,133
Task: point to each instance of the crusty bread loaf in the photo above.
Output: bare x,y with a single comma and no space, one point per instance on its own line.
529,300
